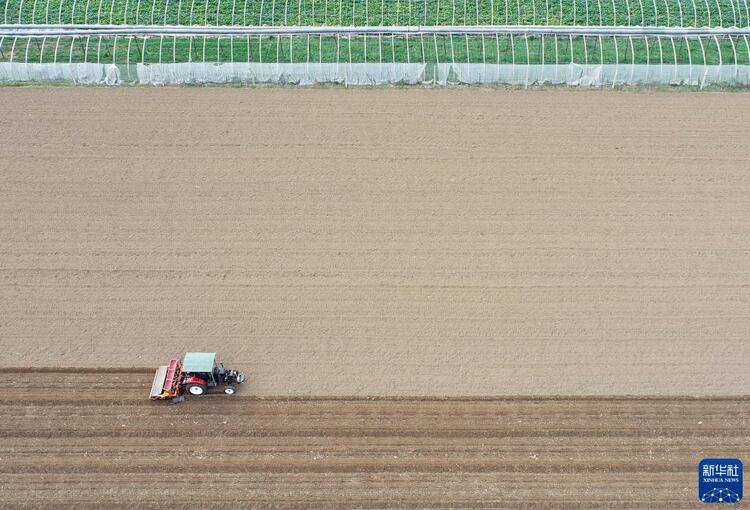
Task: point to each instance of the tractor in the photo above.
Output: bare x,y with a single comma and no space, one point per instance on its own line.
198,372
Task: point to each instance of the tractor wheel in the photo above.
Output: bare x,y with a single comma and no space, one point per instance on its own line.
230,390
196,389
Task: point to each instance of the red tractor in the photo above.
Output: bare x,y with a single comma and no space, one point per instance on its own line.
194,375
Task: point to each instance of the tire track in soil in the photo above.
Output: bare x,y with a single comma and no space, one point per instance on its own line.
92,439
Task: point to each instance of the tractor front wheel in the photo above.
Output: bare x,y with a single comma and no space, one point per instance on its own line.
196,389
230,390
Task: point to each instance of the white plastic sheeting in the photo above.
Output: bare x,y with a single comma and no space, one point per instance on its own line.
380,74
83,30
285,73
603,75
84,74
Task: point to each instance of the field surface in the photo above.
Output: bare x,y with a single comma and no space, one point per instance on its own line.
382,242
89,440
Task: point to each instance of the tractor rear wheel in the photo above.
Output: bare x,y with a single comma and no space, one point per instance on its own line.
230,390
196,389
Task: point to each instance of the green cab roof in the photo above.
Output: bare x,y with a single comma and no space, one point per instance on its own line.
199,362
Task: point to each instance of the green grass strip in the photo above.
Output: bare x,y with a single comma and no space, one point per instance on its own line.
374,49
697,13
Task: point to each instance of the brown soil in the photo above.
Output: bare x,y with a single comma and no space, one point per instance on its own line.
93,440
387,242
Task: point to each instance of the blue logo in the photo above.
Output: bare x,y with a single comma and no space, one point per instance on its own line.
720,480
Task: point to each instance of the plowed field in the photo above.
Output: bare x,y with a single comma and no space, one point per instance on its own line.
73,440
414,244
382,242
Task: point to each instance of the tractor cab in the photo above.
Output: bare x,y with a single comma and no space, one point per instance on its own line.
195,375
200,372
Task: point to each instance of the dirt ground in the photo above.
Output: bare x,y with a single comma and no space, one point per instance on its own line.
382,242
88,440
